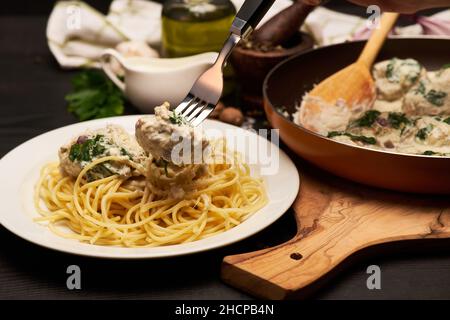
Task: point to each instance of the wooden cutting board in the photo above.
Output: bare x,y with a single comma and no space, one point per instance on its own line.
337,220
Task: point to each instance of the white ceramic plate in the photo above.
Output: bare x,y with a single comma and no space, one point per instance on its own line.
19,171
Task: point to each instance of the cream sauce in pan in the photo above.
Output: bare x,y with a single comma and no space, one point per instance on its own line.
411,113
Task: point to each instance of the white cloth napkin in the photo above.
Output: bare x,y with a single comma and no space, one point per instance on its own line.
329,27
77,33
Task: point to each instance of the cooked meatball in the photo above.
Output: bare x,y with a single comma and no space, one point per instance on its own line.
167,133
430,96
396,76
91,145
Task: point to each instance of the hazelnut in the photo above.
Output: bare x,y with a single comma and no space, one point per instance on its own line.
217,110
232,115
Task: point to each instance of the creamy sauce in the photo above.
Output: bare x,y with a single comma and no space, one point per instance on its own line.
411,113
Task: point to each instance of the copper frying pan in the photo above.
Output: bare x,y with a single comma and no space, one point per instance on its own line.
290,80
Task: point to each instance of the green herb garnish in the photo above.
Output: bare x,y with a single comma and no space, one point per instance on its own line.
163,163
421,88
429,153
436,97
433,96
333,134
393,70
363,139
99,171
75,152
87,150
397,119
124,152
423,133
177,119
390,71
368,119
94,96
445,66
447,120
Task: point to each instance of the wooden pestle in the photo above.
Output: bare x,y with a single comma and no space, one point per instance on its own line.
281,27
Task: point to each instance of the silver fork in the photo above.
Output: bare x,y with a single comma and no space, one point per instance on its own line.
207,89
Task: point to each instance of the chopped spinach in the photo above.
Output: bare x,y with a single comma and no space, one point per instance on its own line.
363,139
333,134
423,133
433,96
87,150
436,97
75,152
447,120
393,69
429,153
397,120
367,120
100,171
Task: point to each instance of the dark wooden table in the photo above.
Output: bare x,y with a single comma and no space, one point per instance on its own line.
32,89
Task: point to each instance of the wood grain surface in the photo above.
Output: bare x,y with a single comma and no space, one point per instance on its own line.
336,219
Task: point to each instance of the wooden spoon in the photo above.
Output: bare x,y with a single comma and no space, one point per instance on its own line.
353,84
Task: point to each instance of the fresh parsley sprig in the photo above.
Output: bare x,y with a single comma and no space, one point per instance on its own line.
94,96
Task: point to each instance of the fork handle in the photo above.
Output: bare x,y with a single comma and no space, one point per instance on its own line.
248,17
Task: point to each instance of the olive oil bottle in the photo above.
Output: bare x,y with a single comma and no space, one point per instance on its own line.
195,26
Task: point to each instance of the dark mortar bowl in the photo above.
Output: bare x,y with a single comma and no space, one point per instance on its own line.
252,66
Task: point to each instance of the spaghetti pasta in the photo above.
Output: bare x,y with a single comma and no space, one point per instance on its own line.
129,212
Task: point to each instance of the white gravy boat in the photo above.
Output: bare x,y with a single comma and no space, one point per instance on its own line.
149,82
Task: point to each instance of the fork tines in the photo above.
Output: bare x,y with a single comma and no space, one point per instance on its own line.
194,110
